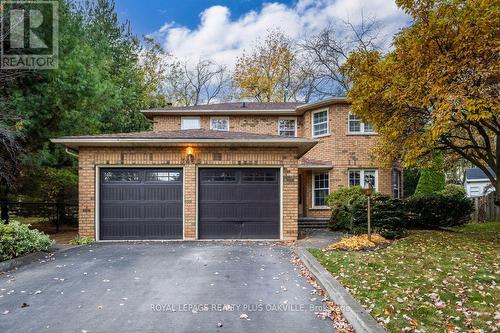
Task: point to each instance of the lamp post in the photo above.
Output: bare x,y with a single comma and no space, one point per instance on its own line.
368,193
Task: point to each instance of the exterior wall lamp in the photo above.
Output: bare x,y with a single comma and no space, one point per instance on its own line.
189,155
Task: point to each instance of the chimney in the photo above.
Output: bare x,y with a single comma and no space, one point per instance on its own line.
243,105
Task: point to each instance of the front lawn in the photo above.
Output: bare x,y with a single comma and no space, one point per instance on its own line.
432,281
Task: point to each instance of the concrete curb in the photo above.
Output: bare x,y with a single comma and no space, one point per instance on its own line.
32,257
358,317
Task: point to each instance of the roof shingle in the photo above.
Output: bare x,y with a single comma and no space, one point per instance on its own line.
238,106
181,134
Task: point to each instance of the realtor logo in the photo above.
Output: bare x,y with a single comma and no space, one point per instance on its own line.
29,34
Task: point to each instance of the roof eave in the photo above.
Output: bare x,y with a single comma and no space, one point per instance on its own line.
302,145
153,113
324,103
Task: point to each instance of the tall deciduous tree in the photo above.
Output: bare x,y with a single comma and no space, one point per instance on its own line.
438,87
200,83
272,71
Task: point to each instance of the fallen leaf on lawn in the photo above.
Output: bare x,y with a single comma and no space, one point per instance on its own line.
388,310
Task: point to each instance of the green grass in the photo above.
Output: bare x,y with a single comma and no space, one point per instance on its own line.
28,220
431,281
485,227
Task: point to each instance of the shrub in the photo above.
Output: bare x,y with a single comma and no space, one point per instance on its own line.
432,180
345,196
436,211
18,239
454,190
79,240
411,177
388,215
341,202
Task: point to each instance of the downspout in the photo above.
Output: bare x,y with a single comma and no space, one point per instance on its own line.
71,152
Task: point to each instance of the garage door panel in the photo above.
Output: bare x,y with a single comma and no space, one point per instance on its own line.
239,203
260,230
260,193
216,229
212,192
131,230
140,204
172,193
166,211
120,193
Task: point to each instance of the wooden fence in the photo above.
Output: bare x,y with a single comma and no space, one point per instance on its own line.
486,210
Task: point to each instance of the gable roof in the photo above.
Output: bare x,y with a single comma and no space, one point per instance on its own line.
268,108
476,174
193,137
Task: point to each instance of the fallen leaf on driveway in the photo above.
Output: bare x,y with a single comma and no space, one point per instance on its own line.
24,305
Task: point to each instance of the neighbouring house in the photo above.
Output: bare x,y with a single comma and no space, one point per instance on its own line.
225,171
476,183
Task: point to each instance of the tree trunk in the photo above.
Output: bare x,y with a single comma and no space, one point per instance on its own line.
497,173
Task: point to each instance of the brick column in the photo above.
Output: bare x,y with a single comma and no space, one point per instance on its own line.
190,202
290,203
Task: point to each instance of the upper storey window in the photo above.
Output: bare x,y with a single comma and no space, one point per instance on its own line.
190,123
219,123
287,127
320,123
357,126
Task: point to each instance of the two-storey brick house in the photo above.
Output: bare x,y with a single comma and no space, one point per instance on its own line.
224,171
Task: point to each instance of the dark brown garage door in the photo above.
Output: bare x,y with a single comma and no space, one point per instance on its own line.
140,204
239,203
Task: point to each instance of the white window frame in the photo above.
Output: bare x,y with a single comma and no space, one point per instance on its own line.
327,123
361,126
362,177
288,118
192,118
313,205
220,118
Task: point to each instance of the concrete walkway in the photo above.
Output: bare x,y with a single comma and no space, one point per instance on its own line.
318,238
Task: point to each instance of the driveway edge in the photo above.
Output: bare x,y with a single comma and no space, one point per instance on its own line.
358,317
31,257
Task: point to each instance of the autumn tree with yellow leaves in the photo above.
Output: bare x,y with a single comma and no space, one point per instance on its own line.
273,71
437,89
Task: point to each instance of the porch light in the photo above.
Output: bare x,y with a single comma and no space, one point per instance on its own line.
189,154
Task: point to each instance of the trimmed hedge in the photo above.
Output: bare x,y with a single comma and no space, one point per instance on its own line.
392,217
437,211
18,239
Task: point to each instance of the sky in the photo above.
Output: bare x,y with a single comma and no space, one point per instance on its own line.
223,29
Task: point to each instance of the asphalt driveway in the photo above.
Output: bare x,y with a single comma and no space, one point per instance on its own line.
162,287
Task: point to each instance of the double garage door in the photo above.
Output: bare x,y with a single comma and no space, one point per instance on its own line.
148,204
